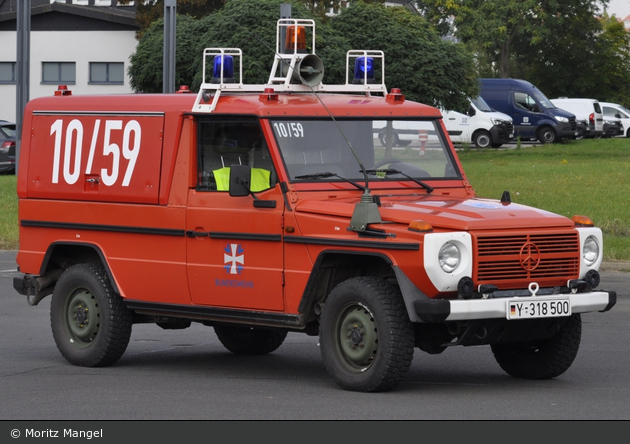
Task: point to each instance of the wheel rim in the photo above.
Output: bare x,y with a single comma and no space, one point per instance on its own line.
483,141
81,318
356,337
548,136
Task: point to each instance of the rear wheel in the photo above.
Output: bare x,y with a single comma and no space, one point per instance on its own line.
366,338
542,359
91,325
249,341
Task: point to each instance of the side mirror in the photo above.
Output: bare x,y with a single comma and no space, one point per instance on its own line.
240,178
536,108
471,111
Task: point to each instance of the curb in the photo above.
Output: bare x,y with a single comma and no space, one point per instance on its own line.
623,266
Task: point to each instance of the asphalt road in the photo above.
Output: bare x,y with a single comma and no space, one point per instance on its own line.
188,375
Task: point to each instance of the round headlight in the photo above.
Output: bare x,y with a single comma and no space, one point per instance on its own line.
590,252
449,257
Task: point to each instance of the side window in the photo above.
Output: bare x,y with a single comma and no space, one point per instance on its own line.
221,144
524,101
7,72
107,73
58,72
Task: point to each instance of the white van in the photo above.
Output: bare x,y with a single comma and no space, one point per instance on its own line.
587,111
480,125
613,112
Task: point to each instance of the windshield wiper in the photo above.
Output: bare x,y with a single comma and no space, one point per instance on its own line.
328,174
387,171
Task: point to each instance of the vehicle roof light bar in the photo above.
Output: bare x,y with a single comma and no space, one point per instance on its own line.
288,63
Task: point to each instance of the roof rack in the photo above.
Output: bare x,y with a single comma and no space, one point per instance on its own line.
295,70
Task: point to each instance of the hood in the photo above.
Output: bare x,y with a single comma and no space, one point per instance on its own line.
562,113
447,213
497,115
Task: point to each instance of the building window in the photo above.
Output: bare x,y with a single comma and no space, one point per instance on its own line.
112,73
7,72
59,73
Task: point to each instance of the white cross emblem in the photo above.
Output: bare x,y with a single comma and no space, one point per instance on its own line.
233,256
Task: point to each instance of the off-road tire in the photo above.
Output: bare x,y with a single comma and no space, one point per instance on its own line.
541,359
249,341
546,135
366,338
90,323
482,139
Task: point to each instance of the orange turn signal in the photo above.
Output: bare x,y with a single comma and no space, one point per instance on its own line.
421,226
583,221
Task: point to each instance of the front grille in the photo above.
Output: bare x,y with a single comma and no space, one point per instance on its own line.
573,123
509,127
499,258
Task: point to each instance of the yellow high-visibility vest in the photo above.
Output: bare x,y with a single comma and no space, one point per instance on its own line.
260,179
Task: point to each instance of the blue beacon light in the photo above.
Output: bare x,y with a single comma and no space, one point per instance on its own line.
227,66
361,65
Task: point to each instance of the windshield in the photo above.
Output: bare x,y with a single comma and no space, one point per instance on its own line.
415,148
543,100
625,110
8,130
481,105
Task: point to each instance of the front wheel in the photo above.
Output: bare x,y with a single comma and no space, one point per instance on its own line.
91,325
366,338
249,341
547,135
482,139
542,359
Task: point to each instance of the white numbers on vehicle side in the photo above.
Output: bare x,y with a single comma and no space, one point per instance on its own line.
73,150
289,129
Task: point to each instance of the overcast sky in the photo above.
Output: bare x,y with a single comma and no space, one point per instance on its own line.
621,8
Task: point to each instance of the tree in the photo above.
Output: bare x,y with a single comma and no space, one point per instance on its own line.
426,68
493,26
146,64
567,59
150,11
417,60
320,9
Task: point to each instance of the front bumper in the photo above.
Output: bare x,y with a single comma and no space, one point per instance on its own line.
502,133
567,130
443,310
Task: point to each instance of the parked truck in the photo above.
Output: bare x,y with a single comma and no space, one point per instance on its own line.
269,209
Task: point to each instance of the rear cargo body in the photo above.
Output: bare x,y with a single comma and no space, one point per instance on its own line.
260,210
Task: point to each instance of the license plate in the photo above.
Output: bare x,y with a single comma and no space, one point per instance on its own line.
532,308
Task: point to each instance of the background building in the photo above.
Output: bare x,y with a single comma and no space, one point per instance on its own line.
85,44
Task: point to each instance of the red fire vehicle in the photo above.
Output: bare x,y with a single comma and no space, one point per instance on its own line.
266,209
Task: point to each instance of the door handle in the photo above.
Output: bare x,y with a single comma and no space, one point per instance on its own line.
191,233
